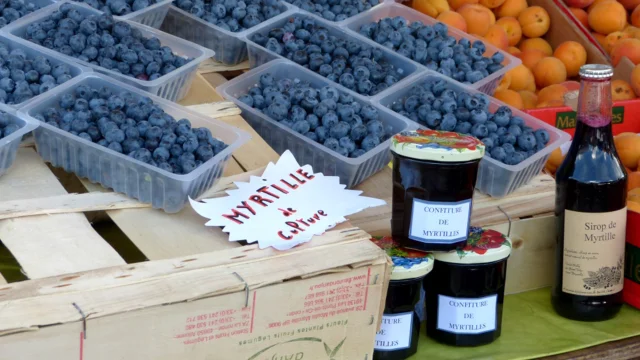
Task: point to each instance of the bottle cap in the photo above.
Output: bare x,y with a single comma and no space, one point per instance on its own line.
434,145
482,247
407,263
596,71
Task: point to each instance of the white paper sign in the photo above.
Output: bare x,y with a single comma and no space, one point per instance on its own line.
286,206
395,332
467,316
439,222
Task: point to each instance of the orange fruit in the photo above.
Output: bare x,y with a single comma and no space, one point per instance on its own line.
511,8
497,37
581,4
597,2
550,104
612,39
537,44
457,4
633,181
552,93
621,90
635,79
505,82
477,17
635,17
549,71
513,50
491,4
529,99
628,148
534,21
453,19
629,48
522,79
531,57
573,55
426,8
607,17
510,97
512,27
581,16
629,4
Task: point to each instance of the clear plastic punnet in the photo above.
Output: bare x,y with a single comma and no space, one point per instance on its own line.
230,47
152,15
111,169
494,178
53,58
259,55
172,86
9,145
351,171
487,85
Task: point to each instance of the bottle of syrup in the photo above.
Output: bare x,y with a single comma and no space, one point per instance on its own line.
591,209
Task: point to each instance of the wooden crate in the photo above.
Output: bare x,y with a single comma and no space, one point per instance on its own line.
199,297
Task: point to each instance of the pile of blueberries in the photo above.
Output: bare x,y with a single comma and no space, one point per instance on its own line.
351,63
13,10
431,46
6,126
135,126
232,15
23,77
102,41
436,106
335,10
118,7
408,262
326,116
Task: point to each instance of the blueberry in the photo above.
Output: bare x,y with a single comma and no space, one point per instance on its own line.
527,141
542,136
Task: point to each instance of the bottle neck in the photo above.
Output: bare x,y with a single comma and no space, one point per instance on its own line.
594,112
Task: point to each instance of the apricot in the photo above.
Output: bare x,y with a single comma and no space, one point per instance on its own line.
510,97
629,4
534,21
536,44
522,79
550,104
612,39
453,19
635,17
477,17
529,99
531,57
633,206
607,17
632,31
552,93
440,5
628,148
491,4
621,90
556,158
596,2
573,55
511,8
601,39
629,48
626,133
633,181
549,71
634,194
505,82
426,8
581,16
635,79
512,27
497,36
457,4
513,50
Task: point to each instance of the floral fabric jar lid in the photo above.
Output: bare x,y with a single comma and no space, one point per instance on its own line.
434,145
483,246
407,264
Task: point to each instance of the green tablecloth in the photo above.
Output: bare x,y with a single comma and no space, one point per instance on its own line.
531,329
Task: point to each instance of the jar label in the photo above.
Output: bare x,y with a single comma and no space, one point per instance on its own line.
395,332
467,315
439,222
593,258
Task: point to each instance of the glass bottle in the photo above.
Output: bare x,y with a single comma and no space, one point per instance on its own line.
590,209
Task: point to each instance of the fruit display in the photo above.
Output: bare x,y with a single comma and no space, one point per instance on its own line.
324,115
133,125
119,7
7,127
335,10
353,64
13,10
462,60
232,15
23,77
512,25
105,42
437,106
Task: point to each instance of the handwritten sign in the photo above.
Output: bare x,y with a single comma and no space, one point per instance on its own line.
286,206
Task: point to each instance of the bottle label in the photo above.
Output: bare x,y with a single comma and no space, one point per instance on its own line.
395,332
593,260
467,316
440,222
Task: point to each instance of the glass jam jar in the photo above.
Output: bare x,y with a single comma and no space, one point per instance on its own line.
397,338
434,175
465,290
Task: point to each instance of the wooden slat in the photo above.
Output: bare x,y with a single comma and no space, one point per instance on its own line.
48,245
217,109
212,66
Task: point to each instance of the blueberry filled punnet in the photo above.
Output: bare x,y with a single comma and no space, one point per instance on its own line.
105,42
506,137
232,15
133,125
324,115
335,10
13,10
119,7
430,45
351,63
6,126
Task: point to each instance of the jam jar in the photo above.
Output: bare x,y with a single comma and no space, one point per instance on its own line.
434,175
397,338
465,290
